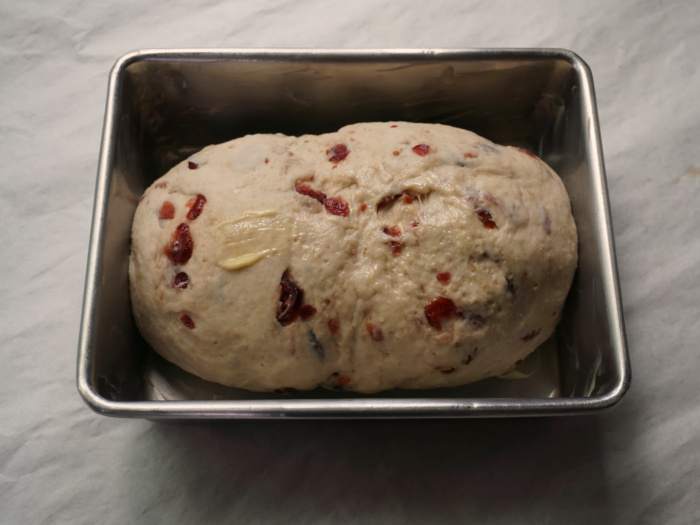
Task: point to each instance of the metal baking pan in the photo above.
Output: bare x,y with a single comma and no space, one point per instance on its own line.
164,105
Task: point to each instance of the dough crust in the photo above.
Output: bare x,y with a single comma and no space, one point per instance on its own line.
384,255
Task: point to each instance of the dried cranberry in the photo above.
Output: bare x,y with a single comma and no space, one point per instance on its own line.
187,321
334,326
393,231
486,219
286,390
396,248
363,207
167,211
438,310
407,199
181,245
290,301
396,153
197,207
444,277
343,381
526,152
308,191
413,224
531,335
339,152
374,331
192,165
388,200
421,149
483,214
445,370
337,206
394,126
334,205
470,155
490,197
306,311
181,280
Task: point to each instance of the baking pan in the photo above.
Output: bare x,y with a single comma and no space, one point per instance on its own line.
162,106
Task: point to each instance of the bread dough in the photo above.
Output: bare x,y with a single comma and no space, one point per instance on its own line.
384,255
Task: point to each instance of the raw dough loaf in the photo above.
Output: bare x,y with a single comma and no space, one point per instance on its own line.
385,255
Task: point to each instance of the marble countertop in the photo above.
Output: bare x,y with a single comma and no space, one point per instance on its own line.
62,463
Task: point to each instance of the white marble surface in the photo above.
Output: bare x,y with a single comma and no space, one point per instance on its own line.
61,463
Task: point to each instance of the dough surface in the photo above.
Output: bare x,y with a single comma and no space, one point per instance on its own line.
384,255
